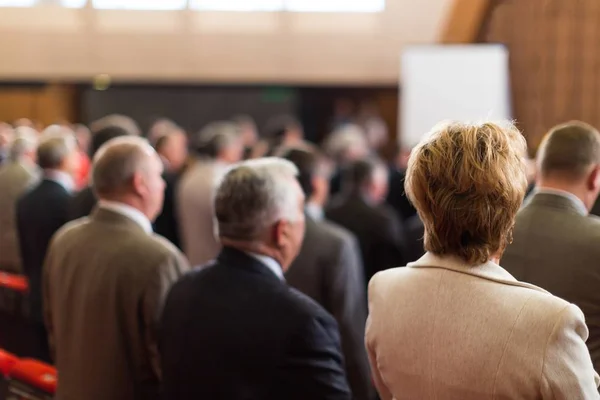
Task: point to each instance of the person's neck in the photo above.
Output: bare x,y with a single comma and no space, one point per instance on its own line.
577,189
254,247
126,201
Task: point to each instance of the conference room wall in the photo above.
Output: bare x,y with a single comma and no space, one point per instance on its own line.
53,43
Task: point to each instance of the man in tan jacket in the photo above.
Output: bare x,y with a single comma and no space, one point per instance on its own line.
105,280
18,175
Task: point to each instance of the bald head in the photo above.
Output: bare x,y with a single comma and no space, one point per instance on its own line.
116,163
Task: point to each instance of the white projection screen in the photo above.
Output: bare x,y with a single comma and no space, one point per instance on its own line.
458,82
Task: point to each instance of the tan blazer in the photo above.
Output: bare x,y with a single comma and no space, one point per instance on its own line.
195,210
441,330
105,282
15,179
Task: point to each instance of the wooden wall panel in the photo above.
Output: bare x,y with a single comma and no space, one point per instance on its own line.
45,104
555,61
464,21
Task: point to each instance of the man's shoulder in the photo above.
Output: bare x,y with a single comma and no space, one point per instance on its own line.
332,232
304,305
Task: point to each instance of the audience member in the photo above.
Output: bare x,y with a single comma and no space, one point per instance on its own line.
106,278
396,196
40,213
329,270
17,176
172,147
6,137
83,136
116,120
218,146
84,202
345,146
555,242
248,132
283,131
235,330
455,325
361,209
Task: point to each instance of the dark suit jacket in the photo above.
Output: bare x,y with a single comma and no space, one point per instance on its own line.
40,213
82,203
377,229
105,282
166,223
329,270
396,197
557,248
234,331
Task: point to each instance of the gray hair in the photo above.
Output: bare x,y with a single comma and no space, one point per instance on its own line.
118,120
215,137
117,161
25,141
54,148
253,195
344,140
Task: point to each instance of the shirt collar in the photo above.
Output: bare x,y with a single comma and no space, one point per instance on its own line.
129,212
269,263
314,211
581,208
62,178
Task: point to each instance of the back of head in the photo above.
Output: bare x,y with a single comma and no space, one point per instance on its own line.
25,142
116,162
116,120
346,144
467,182
161,128
215,138
569,151
309,164
54,149
100,137
359,175
255,194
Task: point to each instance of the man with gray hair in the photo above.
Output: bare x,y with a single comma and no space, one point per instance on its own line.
217,145
40,213
17,176
235,330
106,278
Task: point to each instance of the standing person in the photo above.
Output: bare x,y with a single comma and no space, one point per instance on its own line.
234,330
362,210
218,145
455,325
555,241
329,269
105,280
40,213
17,176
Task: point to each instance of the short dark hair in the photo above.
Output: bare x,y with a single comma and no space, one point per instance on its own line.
309,163
53,150
104,135
569,149
360,173
214,138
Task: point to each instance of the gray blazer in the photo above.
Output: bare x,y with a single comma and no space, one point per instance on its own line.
105,282
557,248
329,270
15,179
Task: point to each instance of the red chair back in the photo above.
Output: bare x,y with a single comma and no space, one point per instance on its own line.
36,375
7,362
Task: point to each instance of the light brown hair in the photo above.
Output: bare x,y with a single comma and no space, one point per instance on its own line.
569,150
467,182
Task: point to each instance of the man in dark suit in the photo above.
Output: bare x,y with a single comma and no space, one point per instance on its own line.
361,210
234,330
329,269
84,202
40,213
556,243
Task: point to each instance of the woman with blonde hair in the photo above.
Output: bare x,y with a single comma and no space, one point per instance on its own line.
454,324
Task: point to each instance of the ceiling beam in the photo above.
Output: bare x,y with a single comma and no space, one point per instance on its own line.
464,21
